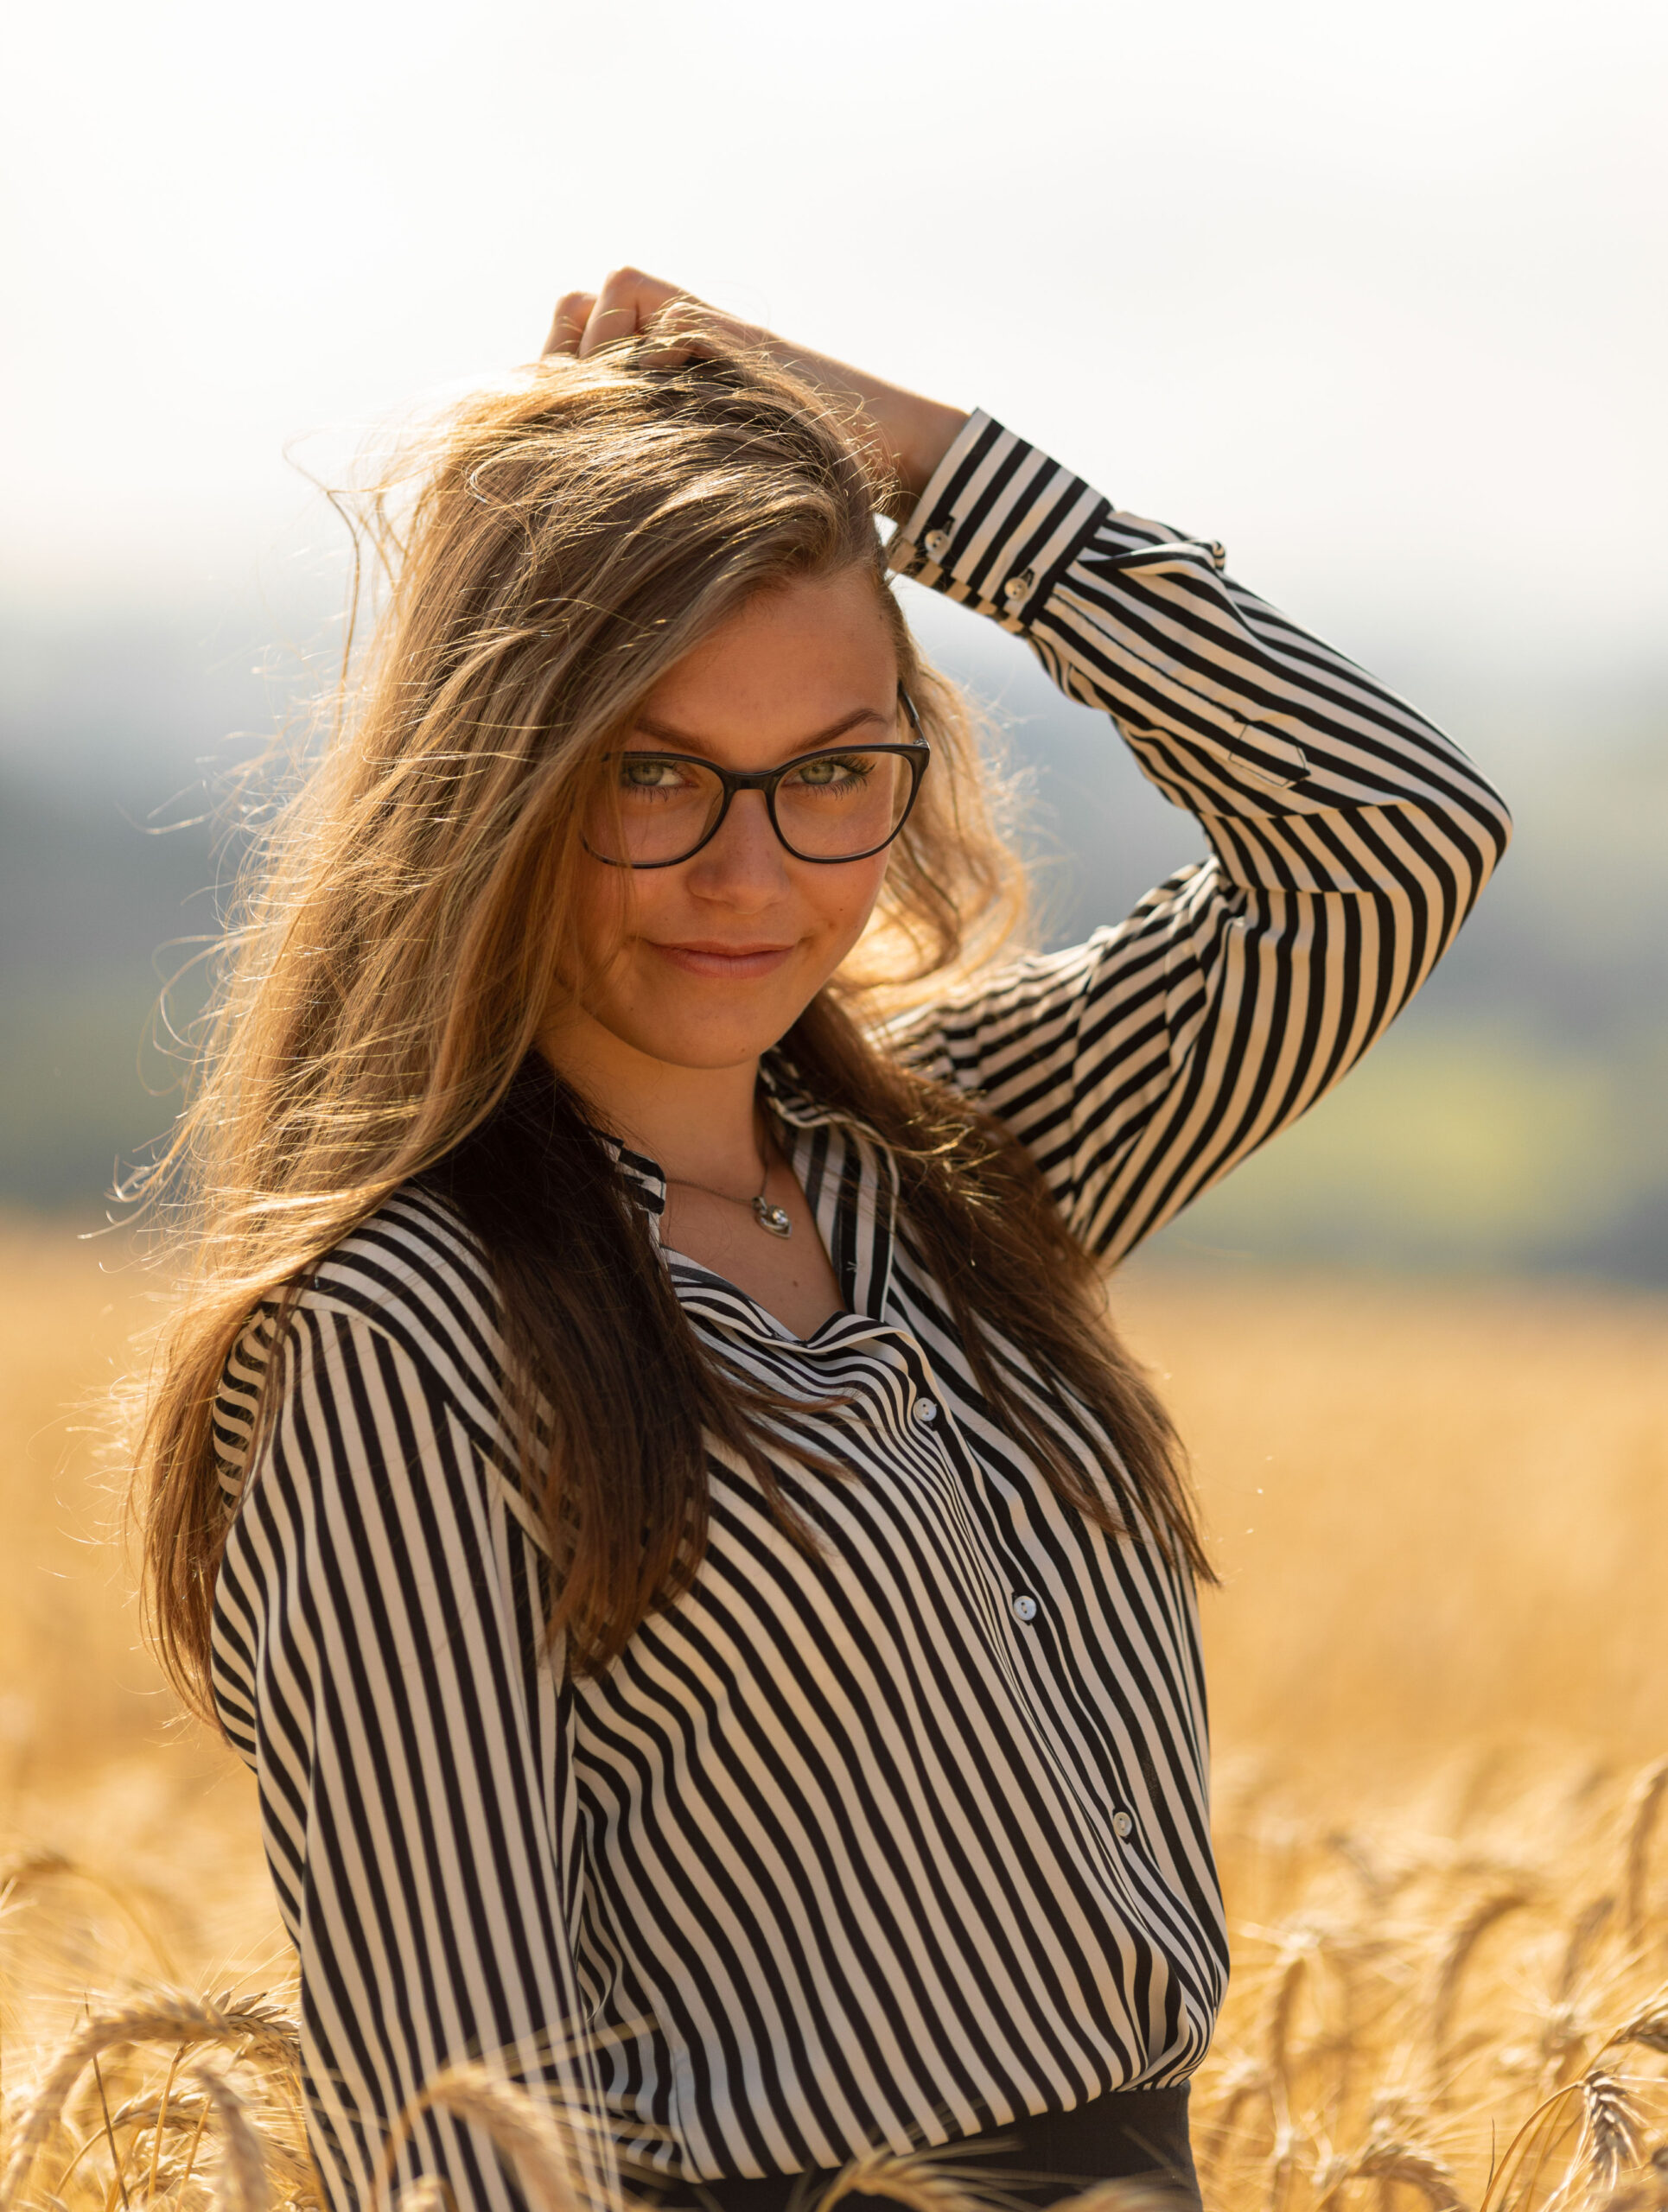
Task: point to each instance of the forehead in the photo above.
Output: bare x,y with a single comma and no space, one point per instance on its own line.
783,669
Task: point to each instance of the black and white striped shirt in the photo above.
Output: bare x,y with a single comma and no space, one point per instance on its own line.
912,1840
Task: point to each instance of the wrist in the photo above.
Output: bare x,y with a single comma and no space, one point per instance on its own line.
927,432
912,434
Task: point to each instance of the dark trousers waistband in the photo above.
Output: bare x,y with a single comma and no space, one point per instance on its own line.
1038,2160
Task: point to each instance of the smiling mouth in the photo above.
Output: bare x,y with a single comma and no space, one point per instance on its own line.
733,963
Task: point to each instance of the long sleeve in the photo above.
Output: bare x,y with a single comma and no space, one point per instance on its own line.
379,1664
1349,840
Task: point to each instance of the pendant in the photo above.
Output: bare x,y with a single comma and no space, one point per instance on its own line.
774,1218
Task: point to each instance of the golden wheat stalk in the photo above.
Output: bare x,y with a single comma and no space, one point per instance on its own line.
1644,1807
1649,2028
1563,2037
243,2168
529,2131
1584,1932
1245,2080
31,1869
159,2116
1612,2126
1610,2130
1454,1957
1401,2163
1292,1966
1537,2124
1392,2161
160,2019
916,2179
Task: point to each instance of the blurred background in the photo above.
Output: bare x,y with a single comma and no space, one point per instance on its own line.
1374,296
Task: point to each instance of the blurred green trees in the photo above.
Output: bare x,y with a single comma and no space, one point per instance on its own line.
1513,1118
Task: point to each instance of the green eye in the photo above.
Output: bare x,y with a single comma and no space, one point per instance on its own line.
834,772
649,775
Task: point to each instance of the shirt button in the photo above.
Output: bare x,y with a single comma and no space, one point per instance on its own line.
1016,587
937,542
1025,1608
1122,1827
926,1412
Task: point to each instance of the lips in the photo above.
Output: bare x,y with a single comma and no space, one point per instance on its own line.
735,963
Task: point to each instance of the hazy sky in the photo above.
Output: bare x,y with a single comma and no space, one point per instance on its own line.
1375,294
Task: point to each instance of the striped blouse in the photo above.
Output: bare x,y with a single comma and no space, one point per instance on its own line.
911,1840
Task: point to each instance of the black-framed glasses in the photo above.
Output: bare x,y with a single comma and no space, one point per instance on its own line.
840,802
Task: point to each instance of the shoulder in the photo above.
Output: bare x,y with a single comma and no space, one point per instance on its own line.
1026,996
412,1275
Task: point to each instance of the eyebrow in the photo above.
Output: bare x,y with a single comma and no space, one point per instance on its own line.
669,736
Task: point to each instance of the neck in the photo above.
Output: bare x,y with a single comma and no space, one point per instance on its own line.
700,1125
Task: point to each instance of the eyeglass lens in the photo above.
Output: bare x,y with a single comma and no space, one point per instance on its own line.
834,805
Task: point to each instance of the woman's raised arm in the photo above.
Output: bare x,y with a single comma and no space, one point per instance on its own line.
1349,840
377,1626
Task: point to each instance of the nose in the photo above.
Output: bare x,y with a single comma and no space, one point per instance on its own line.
745,865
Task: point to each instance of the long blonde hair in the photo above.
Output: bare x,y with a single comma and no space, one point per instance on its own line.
571,537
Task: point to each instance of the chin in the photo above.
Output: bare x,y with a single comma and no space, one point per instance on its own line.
710,1026
705,1044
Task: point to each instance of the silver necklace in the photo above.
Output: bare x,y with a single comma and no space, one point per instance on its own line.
773,1219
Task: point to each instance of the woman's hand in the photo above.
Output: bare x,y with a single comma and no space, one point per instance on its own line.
911,434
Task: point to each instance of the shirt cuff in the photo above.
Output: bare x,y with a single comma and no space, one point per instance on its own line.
997,525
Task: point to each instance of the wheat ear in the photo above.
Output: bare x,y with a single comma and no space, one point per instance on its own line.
1612,2126
1584,1931
185,2114
29,1868
1243,2080
1456,1956
1390,2162
917,2179
158,2019
1283,2003
243,2169
525,2129
1649,2029
1643,1806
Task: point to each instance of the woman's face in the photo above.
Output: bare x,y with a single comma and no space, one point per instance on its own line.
714,958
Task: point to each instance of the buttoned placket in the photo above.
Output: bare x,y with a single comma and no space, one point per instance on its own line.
851,1183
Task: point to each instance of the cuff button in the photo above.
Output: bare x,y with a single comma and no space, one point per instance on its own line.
1016,587
937,543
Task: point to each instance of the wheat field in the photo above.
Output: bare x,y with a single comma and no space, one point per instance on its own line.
1441,1737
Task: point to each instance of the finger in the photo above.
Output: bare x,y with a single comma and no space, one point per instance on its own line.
628,302
677,326
613,313
573,312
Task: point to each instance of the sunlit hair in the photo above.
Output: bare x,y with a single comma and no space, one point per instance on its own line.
551,550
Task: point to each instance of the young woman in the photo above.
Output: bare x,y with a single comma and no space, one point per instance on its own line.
708,1603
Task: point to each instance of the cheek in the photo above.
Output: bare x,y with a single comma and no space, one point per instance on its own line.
846,900
604,899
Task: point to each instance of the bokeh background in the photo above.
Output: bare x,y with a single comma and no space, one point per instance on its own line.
1375,295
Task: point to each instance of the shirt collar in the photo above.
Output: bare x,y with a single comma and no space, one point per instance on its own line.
848,1177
